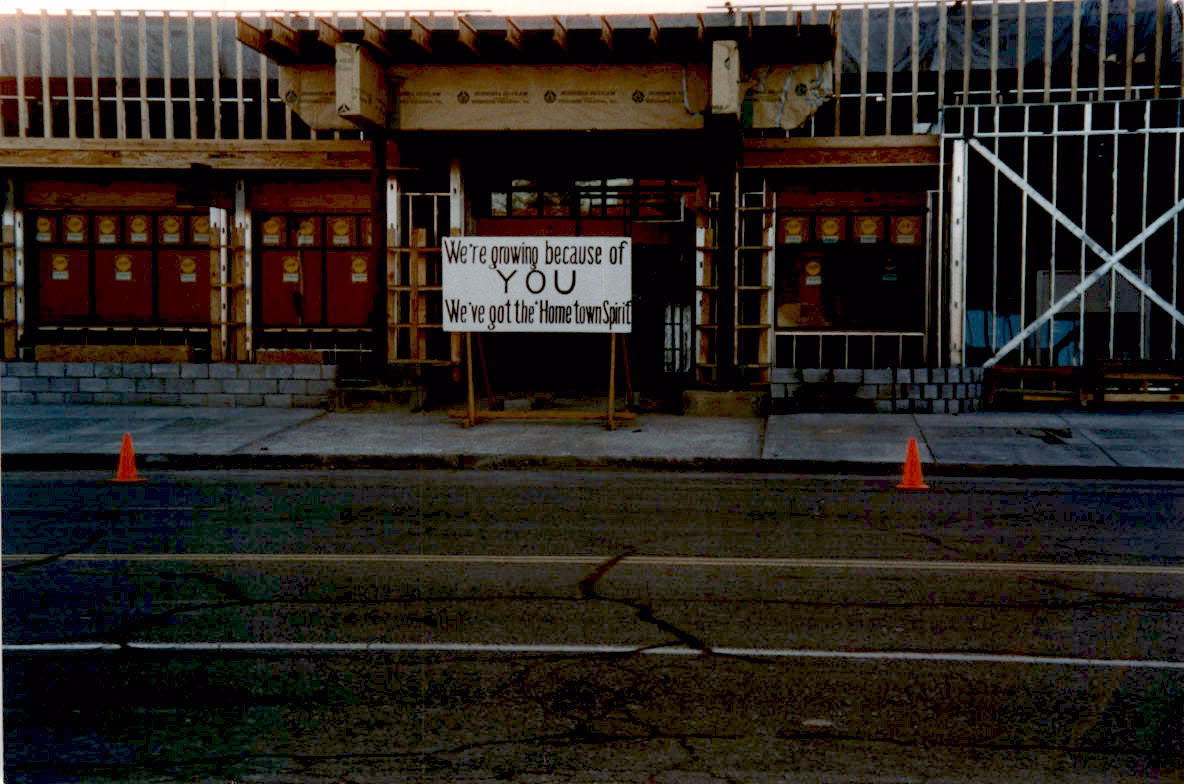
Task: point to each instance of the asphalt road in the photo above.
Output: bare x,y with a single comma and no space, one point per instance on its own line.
590,627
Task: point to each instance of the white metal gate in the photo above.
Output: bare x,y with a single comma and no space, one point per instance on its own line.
1064,232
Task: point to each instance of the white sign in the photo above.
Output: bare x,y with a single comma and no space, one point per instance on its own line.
538,284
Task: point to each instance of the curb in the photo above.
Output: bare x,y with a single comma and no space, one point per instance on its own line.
58,462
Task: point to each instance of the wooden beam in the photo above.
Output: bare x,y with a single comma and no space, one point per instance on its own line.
560,33
655,32
277,40
283,36
702,28
328,34
606,32
165,154
467,34
513,34
250,36
421,35
376,38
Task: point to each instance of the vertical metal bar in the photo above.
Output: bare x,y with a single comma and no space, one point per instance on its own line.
889,65
967,46
238,92
264,131
167,62
285,112
142,39
915,40
846,349
994,51
1114,227
1176,241
958,213
96,125
1103,41
935,281
18,252
1024,232
71,109
930,198
838,68
1130,49
22,107
218,225
863,66
216,73
46,91
995,245
191,64
1021,51
1075,51
120,118
943,35
1089,119
393,242
1048,21
1160,33
1145,137
1052,252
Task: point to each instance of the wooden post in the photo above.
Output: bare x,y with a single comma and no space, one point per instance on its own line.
612,379
472,396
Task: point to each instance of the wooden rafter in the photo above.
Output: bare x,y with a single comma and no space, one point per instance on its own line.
560,33
421,35
606,32
655,32
467,34
327,33
513,34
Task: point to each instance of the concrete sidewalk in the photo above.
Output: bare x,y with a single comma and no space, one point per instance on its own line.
1087,444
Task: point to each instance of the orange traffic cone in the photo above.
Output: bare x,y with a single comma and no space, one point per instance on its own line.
912,469
127,462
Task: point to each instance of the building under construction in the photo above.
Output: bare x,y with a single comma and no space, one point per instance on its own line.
860,207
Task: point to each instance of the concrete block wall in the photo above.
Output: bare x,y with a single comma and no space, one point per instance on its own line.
900,390
168,384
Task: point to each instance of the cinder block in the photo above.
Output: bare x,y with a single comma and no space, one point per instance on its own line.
947,390
248,400
954,375
169,370
252,371
208,386
293,387
940,406
109,398
63,384
319,387
920,375
150,386
884,407
877,376
329,371
137,398
277,371
848,376
194,400
80,369
922,406
815,375
236,386
195,370
277,401
8,384
306,371
19,398
953,406
866,392
136,370
930,391
20,368
904,375
80,398
960,390
34,384
179,386
121,385
92,385
221,400
937,375
785,375
51,397
108,370
50,369
307,401
885,391
263,386
161,399
976,375
223,370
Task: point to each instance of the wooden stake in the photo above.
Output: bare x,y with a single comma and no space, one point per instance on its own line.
472,419
612,378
